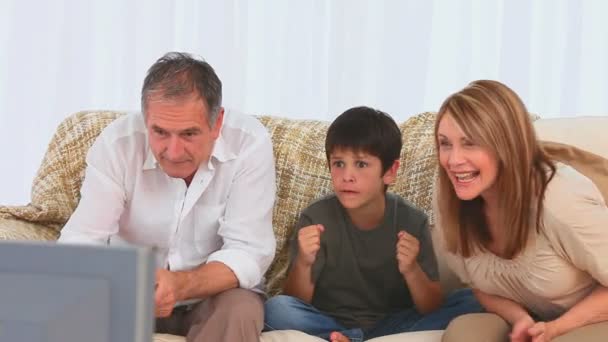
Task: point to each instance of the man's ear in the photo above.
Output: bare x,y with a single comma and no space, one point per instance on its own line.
391,174
219,121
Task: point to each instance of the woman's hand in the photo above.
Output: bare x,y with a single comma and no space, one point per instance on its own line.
542,332
526,330
519,333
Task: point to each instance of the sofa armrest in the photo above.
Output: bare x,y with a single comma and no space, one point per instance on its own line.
15,229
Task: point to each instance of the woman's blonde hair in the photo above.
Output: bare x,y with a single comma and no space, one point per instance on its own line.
494,117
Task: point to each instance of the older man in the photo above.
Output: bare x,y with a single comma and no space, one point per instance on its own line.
198,184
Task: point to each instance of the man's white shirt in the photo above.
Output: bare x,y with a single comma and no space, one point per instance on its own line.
224,215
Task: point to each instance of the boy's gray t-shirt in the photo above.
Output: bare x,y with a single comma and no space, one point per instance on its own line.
357,279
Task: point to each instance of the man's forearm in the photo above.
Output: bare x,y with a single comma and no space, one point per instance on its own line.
509,310
592,309
299,282
205,281
426,293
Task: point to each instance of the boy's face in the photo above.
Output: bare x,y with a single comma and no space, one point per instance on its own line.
357,177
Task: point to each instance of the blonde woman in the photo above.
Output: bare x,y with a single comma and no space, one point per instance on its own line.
528,234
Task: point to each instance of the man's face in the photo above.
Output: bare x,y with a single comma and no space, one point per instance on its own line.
180,135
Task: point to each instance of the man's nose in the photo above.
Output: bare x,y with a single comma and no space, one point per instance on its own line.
175,149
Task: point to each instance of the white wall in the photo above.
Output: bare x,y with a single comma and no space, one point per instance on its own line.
302,59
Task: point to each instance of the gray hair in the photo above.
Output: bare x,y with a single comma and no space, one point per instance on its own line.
177,75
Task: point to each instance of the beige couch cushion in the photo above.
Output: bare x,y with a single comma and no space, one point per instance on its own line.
14,229
297,336
56,187
587,133
587,163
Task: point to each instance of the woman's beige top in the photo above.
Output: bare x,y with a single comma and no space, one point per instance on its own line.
562,264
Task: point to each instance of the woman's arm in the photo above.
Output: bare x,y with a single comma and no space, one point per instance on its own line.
578,230
592,309
509,310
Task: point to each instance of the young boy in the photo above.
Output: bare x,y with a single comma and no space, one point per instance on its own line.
362,263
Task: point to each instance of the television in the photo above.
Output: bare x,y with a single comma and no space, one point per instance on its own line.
74,293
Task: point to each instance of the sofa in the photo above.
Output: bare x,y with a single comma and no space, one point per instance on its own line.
302,176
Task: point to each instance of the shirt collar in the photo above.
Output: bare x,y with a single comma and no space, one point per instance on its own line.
150,162
221,151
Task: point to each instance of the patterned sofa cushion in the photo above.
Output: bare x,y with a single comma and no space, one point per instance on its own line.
56,187
302,173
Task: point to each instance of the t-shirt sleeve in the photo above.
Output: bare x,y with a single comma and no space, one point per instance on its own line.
304,221
426,256
576,222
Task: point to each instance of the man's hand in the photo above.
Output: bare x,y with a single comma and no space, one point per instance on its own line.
407,251
165,295
519,333
309,243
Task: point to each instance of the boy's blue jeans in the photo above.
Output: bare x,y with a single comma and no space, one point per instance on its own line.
286,312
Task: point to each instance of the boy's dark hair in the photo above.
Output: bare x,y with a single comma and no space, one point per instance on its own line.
368,130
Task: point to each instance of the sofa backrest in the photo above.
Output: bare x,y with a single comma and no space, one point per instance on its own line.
301,167
588,133
56,188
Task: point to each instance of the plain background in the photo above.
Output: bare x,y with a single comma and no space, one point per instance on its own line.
299,59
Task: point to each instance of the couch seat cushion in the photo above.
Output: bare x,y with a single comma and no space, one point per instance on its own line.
297,336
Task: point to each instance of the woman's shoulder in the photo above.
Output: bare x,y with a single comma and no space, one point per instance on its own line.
571,202
575,218
568,188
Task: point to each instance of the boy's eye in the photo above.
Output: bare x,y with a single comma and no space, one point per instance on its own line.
338,163
361,164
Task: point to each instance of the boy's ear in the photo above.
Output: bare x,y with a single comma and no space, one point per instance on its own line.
391,174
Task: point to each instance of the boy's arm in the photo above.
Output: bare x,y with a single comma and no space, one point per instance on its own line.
426,294
299,282
304,253
418,265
